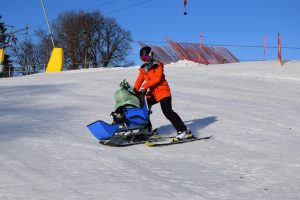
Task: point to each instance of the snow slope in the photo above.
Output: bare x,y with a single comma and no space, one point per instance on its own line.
251,108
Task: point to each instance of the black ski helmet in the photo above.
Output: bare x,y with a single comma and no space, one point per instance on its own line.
146,52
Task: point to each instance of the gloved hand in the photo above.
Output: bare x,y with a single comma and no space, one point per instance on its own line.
143,88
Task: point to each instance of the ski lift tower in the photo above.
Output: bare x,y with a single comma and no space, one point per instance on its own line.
11,39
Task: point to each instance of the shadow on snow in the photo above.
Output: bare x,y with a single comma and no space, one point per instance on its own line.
194,125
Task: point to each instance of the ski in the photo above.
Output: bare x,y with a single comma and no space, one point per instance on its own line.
170,141
124,144
121,141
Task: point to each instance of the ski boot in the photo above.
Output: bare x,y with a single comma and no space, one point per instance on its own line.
183,135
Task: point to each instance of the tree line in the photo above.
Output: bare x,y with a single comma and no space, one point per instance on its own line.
89,39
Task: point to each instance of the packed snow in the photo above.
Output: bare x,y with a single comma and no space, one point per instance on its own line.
252,109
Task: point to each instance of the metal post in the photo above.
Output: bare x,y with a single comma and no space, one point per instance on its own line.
279,49
265,47
42,2
84,65
200,48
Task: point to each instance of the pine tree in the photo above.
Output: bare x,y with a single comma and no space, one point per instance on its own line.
7,63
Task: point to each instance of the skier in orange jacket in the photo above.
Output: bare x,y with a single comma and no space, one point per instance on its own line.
151,78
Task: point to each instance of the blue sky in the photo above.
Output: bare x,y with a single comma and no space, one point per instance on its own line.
224,22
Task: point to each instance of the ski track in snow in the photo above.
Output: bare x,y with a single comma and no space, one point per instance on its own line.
251,108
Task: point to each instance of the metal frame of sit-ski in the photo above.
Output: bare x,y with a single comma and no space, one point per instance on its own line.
136,119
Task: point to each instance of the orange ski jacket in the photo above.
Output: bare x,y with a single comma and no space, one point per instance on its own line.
154,80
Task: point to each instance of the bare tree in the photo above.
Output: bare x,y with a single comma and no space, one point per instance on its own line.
89,39
28,58
68,31
113,43
92,23
75,33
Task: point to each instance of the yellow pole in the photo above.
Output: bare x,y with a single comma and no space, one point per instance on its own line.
55,63
2,53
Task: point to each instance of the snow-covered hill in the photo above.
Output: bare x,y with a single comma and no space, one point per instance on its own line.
252,109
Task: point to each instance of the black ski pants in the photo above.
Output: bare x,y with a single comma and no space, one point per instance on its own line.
166,107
